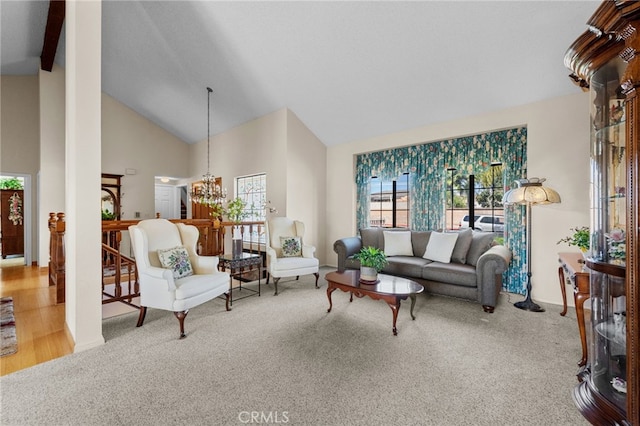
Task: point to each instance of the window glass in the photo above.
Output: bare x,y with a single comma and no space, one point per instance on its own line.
389,202
253,190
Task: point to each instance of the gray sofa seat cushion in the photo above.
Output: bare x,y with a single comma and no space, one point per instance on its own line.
406,266
450,273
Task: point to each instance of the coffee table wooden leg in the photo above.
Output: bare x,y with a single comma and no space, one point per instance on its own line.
413,303
395,307
330,289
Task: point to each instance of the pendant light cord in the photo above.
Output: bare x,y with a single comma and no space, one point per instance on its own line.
209,91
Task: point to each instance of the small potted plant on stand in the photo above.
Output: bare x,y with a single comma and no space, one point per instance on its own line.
372,260
579,238
236,213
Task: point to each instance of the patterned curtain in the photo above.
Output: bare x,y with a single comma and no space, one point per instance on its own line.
427,165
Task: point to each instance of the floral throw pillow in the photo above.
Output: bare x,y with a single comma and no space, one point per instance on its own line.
291,246
176,259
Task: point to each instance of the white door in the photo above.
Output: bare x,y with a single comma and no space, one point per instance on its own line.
166,203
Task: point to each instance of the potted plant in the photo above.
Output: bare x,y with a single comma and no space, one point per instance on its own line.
236,213
580,238
372,260
107,215
216,213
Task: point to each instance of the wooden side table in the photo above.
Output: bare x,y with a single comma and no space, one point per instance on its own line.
571,272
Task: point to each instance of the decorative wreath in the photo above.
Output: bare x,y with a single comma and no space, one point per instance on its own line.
15,209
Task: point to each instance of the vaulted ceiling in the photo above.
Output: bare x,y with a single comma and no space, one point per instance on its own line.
348,70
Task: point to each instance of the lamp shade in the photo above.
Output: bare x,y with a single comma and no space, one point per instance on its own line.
531,191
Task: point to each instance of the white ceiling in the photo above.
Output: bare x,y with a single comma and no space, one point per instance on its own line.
348,70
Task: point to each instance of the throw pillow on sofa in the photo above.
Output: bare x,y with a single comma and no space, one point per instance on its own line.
397,243
440,246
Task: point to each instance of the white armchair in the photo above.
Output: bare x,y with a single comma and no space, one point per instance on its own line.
288,256
189,284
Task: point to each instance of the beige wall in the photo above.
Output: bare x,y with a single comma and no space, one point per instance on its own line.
20,138
33,141
558,149
306,182
292,157
130,141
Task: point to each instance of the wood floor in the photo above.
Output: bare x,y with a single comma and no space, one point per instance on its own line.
40,321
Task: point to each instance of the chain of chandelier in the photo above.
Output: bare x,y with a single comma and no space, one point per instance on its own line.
209,192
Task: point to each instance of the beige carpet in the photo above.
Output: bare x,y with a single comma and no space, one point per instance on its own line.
285,358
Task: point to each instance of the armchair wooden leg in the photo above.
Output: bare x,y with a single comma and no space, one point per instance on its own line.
268,276
143,313
317,276
226,295
181,316
275,283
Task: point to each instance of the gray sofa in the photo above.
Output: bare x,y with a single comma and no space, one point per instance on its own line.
474,273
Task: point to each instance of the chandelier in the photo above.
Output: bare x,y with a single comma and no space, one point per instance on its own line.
209,192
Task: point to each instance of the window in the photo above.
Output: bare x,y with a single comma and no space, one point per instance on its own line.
389,202
484,201
253,190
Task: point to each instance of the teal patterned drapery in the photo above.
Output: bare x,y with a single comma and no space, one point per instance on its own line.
427,166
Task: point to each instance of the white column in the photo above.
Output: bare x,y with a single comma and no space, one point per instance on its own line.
83,164
52,153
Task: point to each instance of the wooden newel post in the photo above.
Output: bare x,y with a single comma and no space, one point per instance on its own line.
57,228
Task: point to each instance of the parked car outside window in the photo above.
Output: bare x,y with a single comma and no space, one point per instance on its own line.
489,223
464,223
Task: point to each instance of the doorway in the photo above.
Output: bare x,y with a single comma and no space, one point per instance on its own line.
15,219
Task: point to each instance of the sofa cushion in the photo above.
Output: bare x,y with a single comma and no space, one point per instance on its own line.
419,240
452,273
397,243
461,248
440,246
370,237
480,243
406,266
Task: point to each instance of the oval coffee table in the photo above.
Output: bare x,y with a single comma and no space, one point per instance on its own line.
388,288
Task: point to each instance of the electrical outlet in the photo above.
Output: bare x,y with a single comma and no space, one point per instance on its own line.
137,215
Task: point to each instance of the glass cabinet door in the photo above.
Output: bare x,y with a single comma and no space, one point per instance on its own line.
608,352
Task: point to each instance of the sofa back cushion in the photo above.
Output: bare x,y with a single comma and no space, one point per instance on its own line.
419,240
371,237
374,237
463,243
480,243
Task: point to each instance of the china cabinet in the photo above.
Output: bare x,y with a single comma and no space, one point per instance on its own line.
603,60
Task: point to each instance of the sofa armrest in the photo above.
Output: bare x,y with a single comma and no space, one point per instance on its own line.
489,271
346,247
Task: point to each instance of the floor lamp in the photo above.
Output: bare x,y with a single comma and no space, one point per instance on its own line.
530,192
